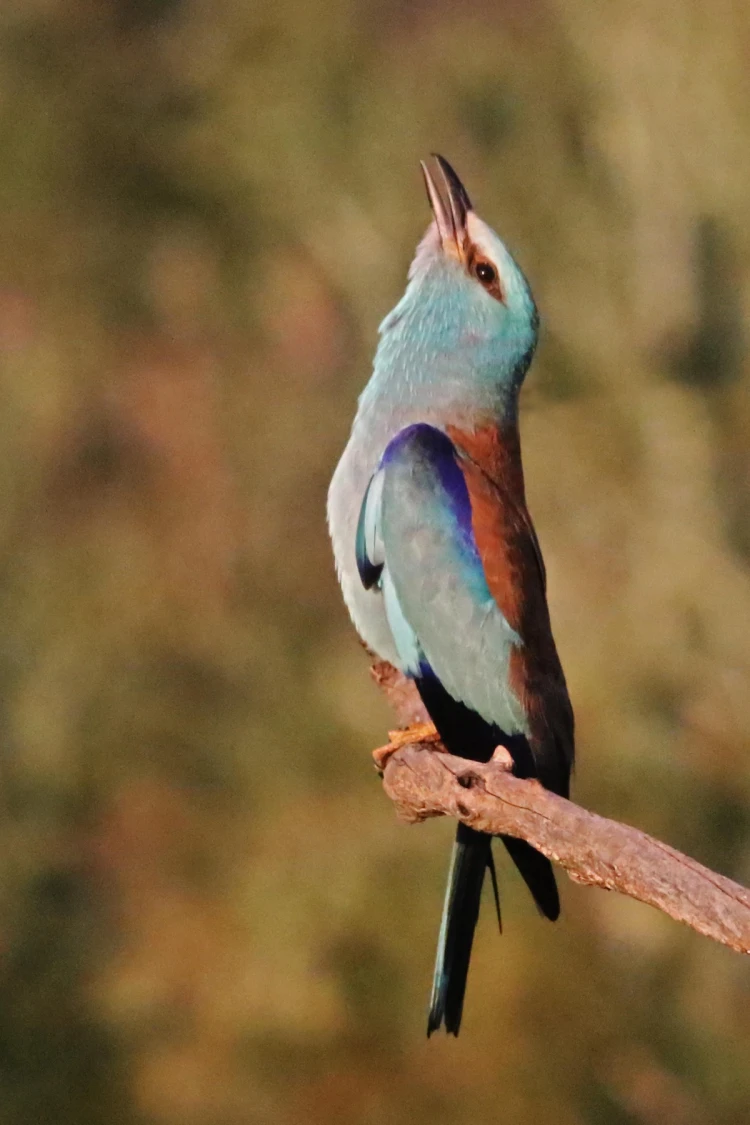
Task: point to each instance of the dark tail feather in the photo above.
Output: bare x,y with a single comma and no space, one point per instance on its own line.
471,857
495,888
537,874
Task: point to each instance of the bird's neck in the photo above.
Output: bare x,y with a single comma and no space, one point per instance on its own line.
439,386
436,356
440,389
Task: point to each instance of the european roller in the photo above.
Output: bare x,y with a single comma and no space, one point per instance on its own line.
435,550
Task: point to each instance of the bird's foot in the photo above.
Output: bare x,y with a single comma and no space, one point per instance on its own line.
418,732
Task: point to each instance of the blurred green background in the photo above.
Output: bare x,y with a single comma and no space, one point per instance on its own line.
209,914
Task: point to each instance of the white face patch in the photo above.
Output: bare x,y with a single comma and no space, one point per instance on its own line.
486,241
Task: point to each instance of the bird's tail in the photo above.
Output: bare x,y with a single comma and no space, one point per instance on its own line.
471,856
536,872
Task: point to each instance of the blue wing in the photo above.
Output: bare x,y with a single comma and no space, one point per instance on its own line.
415,539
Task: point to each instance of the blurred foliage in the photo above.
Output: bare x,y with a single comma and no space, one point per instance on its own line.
208,913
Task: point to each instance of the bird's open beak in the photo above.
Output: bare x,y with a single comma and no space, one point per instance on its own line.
450,205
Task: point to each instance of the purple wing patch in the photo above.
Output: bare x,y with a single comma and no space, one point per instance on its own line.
429,448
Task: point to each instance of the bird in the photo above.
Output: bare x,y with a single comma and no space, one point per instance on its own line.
437,556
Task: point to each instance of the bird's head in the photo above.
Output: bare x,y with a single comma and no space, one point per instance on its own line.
467,311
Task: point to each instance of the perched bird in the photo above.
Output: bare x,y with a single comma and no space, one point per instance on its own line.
435,550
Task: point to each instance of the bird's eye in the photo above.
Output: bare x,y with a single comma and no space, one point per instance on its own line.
485,273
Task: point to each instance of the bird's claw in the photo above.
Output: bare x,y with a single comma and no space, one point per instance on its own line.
501,757
418,732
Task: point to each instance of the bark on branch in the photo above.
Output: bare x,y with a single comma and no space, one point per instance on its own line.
425,782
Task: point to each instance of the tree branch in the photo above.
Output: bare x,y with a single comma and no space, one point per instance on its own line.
424,781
